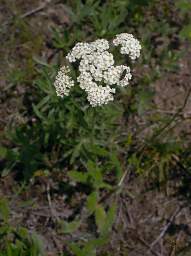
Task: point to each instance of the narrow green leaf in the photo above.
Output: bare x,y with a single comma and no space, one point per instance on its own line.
76,152
111,214
95,243
89,249
43,101
38,113
37,246
7,169
97,178
76,250
186,32
3,152
100,217
78,176
4,209
117,165
69,227
98,150
184,5
92,201
91,166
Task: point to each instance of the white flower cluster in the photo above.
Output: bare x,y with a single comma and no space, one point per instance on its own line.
63,82
82,49
129,45
114,75
99,95
97,70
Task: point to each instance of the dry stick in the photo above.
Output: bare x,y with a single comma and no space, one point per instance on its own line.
164,230
174,248
122,178
119,185
35,10
147,245
138,237
117,189
54,216
175,115
133,227
172,112
29,13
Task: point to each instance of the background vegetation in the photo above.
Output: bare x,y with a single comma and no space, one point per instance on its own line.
108,181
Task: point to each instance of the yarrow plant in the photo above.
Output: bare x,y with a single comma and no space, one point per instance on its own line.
98,73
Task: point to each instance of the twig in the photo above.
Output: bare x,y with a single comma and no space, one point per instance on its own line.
138,237
119,185
174,116
172,112
35,10
148,246
54,216
29,13
122,178
166,227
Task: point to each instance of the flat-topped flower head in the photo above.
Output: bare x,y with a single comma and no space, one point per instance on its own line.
129,45
81,50
97,69
78,51
100,45
100,95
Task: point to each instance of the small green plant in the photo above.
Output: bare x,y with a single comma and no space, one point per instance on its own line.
17,241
